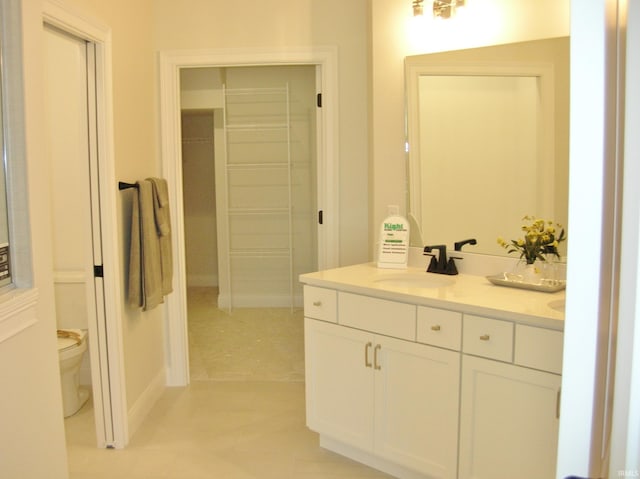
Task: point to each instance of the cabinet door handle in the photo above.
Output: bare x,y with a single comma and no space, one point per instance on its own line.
558,396
317,303
367,363
485,337
375,357
435,327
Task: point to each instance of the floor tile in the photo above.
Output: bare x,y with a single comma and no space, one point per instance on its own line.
242,416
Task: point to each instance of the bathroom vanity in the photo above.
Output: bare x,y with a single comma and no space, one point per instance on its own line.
430,376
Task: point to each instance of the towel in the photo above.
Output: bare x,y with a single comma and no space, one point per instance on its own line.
145,270
163,227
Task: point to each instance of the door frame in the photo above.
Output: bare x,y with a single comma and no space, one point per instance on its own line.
171,62
107,371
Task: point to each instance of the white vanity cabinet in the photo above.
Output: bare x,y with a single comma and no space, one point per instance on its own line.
509,414
380,397
425,392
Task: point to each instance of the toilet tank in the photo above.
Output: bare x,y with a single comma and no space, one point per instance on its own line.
70,289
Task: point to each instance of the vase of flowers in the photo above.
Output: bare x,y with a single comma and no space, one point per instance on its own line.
539,242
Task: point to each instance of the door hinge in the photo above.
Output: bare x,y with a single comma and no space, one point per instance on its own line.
320,219
98,271
319,100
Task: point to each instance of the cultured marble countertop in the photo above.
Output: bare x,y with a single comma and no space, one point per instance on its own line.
467,293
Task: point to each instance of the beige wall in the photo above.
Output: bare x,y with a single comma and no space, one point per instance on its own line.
215,24
31,403
135,153
32,431
396,34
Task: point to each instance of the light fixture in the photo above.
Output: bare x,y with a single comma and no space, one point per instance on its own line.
446,8
417,7
441,8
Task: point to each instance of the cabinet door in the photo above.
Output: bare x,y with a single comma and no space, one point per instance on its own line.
417,393
508,421
339,382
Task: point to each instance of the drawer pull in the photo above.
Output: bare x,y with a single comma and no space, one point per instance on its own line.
317,303
435,327
485,337
558,398
375,357
367,363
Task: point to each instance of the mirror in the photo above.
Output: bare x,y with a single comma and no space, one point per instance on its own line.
488,141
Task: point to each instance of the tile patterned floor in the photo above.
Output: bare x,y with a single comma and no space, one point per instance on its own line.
242,416
247,344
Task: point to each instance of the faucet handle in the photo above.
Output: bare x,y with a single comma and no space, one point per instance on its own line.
451,266
433,264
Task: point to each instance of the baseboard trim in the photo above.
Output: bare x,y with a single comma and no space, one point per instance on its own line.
141,408
259,301
202,280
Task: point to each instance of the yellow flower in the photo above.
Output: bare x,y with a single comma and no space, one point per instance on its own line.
540,239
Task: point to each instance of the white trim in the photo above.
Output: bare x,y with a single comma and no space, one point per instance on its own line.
592,280
18,301
140,410
65,277
170,64
18,311
204,280
625,435
62,17
259,301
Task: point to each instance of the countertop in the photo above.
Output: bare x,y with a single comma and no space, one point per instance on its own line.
467,293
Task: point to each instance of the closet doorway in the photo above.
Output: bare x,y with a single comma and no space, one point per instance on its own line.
250,213
249,182
323,62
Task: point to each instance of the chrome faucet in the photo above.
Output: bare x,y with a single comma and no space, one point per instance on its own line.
442,265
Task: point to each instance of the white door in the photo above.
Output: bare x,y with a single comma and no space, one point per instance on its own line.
70,123
339,382
416,403
508,421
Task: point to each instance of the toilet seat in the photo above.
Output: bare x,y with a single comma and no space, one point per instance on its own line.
70,338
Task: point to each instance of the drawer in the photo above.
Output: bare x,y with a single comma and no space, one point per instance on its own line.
377,315
439,327
320,303
539,348
489,338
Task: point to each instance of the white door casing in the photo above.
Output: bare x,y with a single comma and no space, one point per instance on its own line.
326,60
110,406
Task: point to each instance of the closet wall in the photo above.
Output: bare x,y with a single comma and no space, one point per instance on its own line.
198,174
258,208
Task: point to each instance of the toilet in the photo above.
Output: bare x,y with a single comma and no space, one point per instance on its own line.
72,343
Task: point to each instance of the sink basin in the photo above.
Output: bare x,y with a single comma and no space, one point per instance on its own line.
557,304
411,280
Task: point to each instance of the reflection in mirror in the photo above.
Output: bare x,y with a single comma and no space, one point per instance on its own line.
488,135
5,273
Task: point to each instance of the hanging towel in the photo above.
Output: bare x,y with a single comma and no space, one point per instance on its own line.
163,226
145,270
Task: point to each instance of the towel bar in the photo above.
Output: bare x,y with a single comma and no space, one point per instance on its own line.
125,186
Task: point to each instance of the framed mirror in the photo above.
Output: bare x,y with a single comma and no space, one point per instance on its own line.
488,136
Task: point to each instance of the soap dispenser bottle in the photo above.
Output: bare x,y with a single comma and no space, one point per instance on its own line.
394,240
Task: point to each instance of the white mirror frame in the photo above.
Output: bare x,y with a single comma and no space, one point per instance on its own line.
414,69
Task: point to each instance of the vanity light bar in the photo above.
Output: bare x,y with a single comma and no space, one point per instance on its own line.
441,8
